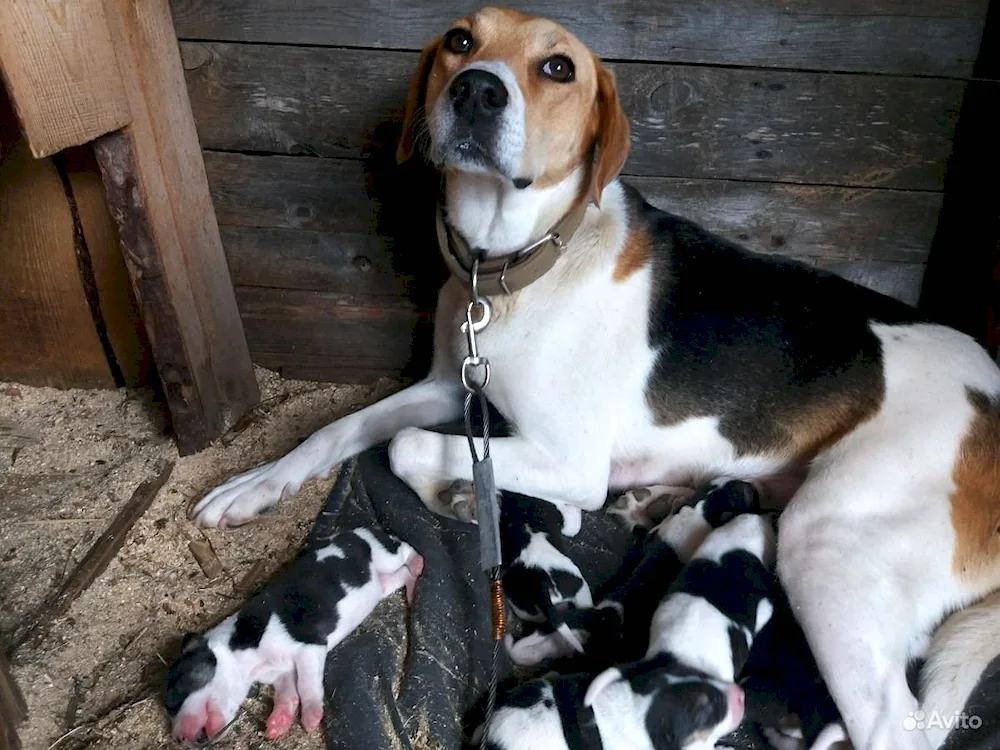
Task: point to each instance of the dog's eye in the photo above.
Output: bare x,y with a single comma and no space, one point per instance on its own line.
458,41
558,68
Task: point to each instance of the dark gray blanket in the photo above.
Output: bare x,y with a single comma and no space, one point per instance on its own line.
416,680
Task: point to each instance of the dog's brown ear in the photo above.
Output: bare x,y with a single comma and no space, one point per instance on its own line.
415,101
612,138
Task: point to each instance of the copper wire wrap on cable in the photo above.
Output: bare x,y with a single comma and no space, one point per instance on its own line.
499,610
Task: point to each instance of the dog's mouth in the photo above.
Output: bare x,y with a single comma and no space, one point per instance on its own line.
465,149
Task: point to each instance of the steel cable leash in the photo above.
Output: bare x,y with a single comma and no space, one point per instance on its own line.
483,482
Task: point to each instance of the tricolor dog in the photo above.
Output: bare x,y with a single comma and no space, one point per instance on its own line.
630,347
282,636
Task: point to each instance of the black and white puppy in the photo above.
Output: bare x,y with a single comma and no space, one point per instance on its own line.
542,584
702,631
282,636
659,704
619,624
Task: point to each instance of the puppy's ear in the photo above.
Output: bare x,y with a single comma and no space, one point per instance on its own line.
414,112
612,138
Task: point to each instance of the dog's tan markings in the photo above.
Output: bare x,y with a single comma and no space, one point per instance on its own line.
811,430
634,254
975,502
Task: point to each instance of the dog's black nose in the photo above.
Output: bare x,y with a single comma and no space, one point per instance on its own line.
478,94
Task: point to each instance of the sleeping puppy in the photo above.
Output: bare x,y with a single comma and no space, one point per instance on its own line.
282,636
541,582
659,705
703,629
619,624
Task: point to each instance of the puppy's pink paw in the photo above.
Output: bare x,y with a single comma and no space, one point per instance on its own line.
279,722
215,722
311,717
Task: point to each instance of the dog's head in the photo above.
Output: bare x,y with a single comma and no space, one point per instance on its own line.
517,97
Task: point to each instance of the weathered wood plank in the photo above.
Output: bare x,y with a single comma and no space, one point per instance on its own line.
689,121
47,334
154,174
804,220
891,36
307,223
60,69
323,336
899,280
343,262
316,335
119,309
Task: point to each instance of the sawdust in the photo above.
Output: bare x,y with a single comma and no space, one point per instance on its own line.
69,460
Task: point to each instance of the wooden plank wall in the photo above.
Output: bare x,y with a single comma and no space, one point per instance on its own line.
820,130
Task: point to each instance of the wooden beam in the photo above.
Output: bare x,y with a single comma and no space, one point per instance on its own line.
158,193
60,69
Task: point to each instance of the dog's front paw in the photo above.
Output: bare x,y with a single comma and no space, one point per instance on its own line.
415,456
645,507
244,496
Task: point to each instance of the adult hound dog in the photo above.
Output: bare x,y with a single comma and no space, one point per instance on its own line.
653,352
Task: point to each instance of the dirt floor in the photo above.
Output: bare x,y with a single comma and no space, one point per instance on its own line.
69,461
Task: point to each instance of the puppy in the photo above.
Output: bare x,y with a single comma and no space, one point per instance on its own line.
619,624
703,629
541,582
659,705
282,636
786,695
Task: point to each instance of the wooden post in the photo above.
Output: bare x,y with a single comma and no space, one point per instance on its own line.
60,68
158,193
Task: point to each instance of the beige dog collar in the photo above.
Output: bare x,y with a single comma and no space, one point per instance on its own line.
514,271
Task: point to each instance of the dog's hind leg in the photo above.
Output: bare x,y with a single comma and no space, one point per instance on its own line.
850,589
245,496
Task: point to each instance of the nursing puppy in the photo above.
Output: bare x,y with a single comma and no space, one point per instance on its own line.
541,583
619,624
785,693
282,636
626,351
707,622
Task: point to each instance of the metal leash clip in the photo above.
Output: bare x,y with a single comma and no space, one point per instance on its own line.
470,328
